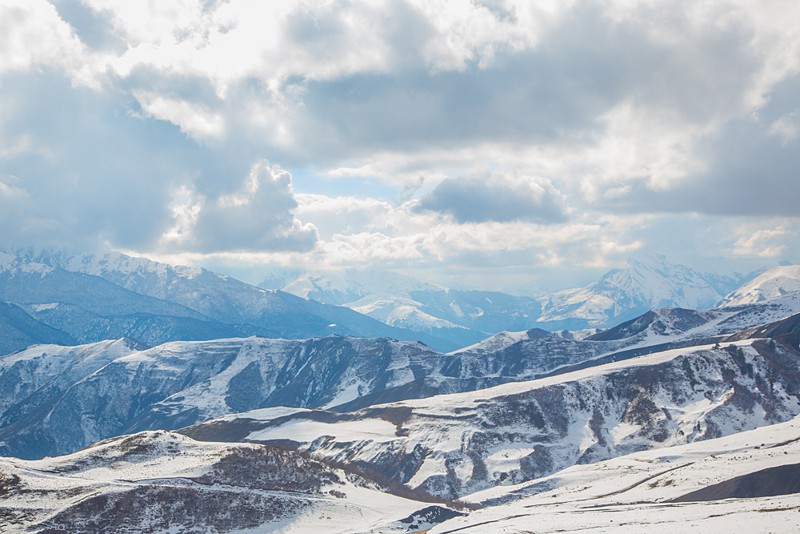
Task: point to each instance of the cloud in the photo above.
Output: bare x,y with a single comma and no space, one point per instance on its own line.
746,171
496,197
765,243
786,127
89,170
259,216
345,214
136,124
32,33
192,119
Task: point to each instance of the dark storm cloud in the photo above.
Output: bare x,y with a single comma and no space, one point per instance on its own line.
476,199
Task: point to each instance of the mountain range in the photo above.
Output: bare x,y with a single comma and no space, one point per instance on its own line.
91,298
57,399
71,298
620,294
443,445
161,398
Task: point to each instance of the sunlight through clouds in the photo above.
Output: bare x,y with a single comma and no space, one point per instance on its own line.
411,131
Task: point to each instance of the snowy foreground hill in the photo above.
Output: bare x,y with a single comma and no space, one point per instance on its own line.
677,414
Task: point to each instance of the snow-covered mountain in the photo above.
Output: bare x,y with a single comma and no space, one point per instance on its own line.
167,482
745,482
46,410
407,420
464,317
455,445
621,294
92,298
768,285
108,393
469,316
55,400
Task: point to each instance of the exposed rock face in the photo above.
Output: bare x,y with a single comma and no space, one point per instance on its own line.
455,445
160,481
105,394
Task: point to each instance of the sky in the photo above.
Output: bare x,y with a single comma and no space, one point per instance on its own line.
487,144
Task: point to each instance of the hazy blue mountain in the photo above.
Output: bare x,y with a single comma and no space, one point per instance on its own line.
100,297
622,294
19,330
467,315
463,317
88,308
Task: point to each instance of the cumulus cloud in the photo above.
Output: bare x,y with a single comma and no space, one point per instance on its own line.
258,216
135,124
496,197
766,243
33,34
87,170
192,119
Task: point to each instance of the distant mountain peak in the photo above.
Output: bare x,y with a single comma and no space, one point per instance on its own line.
770,284
646,282
345,286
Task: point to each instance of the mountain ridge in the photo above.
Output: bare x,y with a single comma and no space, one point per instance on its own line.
115,295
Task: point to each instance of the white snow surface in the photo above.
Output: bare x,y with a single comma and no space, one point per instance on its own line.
631,493
403,312
52,485
645,283
306,430
769,285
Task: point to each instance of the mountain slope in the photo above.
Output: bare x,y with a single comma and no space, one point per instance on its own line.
183,383
656,490
19,330
112,392
768,285
161,481
116,295
455,445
